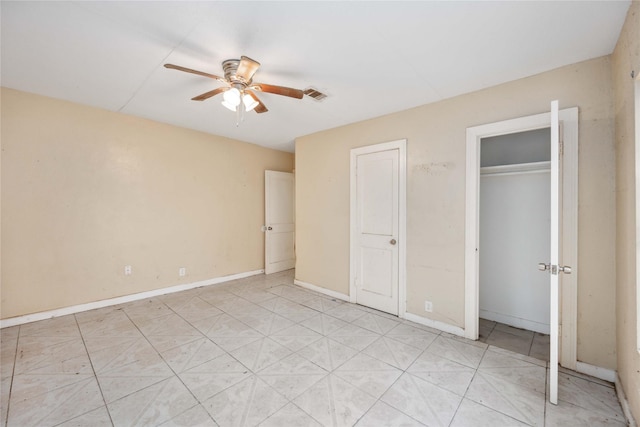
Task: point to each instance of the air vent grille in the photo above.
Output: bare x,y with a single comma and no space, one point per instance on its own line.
315,94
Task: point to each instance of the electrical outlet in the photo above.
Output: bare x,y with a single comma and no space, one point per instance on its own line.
428,306
128,270
182,271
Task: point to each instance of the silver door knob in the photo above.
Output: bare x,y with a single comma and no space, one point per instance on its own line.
543,267
393,241
565,269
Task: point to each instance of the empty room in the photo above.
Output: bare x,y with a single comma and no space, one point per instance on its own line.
367,213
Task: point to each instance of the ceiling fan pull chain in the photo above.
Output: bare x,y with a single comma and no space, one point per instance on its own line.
240,112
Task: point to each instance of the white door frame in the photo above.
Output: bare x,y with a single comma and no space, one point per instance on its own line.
401,146
637,206
569,222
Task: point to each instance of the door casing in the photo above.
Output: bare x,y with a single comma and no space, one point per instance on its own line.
401,146
569,222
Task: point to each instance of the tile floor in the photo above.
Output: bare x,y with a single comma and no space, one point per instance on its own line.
262,351
521,341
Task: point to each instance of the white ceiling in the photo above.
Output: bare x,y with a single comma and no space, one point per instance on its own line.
371,58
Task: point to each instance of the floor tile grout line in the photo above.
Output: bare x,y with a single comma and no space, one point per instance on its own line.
458,407
13,374
531,345
77,416
249,402
426,400
95,375
379,399
509,402
175,374
254,373
475,372
332,404
141,413
546,396
162,358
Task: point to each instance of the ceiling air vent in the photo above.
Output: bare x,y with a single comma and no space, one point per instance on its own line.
315,94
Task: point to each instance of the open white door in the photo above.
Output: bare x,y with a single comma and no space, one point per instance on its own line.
279,222
554,267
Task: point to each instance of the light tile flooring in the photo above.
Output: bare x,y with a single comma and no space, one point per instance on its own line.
261,351
521,341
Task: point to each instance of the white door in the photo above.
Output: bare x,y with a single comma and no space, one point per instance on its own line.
569,209
553,266
377,230
279,215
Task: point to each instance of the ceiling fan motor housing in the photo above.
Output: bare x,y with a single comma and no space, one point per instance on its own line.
230,67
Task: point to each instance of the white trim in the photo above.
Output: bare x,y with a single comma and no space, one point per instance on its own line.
569,119
320,289
402,248
515,169
444,327
554,253
596,371
401,146
43,315
637,207
624,403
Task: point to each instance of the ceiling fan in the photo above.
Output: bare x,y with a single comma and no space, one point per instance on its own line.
239,90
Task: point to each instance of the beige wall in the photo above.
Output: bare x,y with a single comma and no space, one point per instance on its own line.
86,192
625,59
436,196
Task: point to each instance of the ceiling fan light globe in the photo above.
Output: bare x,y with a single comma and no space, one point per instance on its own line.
229,105
249,102
232,96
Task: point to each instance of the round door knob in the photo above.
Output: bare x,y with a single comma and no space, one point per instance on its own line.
269,228
566,269
393,241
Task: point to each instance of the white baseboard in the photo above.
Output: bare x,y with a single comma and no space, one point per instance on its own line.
445,327
408,316
624,403
20,320
596,371
328,292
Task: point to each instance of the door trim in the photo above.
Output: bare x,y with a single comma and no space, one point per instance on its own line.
569,224
401,146
636,166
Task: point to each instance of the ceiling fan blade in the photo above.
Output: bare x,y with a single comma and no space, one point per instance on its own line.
260,108
209,94
189,70
279,90
247,68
